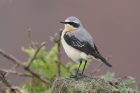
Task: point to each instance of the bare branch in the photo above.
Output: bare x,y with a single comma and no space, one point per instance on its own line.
13,68
57,39
13,89
59,54
15,72
18,62
11,57
36,52
97,69
127,77
30,38
3,79
38,76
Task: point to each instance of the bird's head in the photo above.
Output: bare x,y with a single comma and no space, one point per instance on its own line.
71,23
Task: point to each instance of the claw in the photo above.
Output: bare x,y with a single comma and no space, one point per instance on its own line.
78,76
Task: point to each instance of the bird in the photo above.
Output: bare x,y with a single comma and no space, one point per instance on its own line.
78,44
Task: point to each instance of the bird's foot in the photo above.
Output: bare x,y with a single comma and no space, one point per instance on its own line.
78,76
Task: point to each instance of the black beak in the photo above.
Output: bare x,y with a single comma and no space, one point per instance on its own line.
63,22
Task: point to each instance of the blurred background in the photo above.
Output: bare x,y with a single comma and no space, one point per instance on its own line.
114,25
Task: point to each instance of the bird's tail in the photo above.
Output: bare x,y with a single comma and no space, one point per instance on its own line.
104,60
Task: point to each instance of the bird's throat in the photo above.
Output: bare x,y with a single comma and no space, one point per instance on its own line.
69,28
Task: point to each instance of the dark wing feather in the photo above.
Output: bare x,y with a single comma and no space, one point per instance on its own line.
84,47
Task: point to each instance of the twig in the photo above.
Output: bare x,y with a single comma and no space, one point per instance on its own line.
59,54
3,79
38,76
11,57
18,62
35,54
15,72
127,77
30,38
57,39
97,69
13,68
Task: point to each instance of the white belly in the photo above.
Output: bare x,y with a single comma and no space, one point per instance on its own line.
73,53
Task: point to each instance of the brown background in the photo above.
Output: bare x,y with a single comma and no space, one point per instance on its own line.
114,25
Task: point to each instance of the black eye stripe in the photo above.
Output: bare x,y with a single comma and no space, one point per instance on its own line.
73,24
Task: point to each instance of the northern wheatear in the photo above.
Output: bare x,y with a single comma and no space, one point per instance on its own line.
78,43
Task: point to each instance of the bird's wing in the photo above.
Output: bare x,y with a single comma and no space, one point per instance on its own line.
84,47
81,45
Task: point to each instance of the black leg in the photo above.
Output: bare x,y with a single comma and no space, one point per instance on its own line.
79,75
78,67
84,67
76,74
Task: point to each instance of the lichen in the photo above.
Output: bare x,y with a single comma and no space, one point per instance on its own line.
89,85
